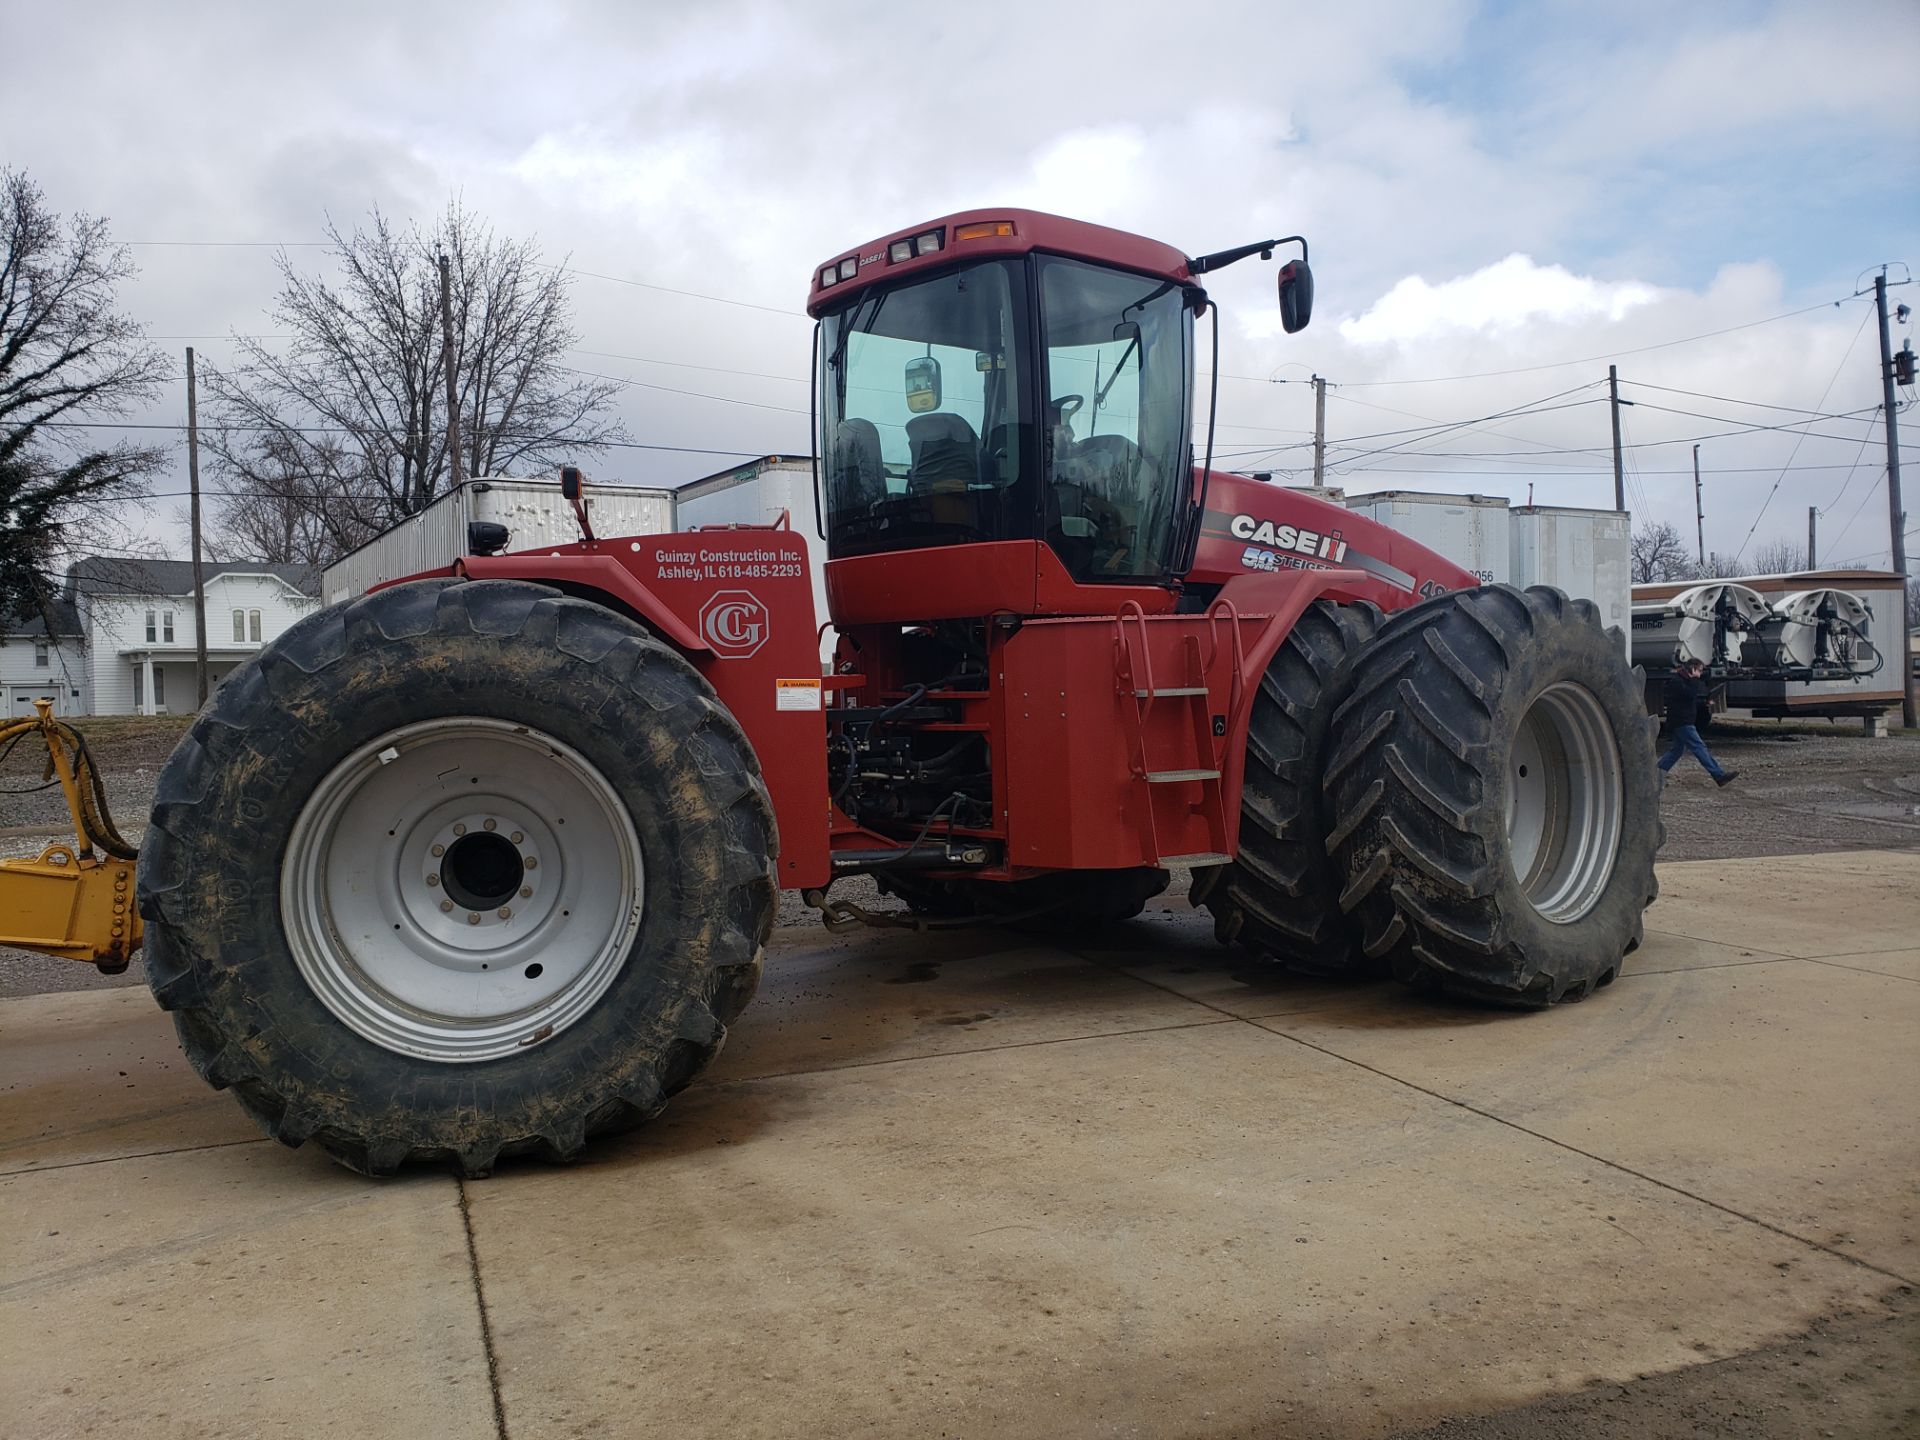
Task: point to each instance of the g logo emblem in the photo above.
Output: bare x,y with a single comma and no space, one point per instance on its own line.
734,623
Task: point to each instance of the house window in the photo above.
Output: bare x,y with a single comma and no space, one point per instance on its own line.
253,625
166,627
151,636
239,627
42,655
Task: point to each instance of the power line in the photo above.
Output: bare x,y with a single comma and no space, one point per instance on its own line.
1592,359
1735,400
1801,439
1541,406
382,434
670,390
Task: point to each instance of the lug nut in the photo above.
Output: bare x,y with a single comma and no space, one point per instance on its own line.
445,905
492,825
439,850
532,862
518,837
506,913
460,829
472,919
526,892
433,879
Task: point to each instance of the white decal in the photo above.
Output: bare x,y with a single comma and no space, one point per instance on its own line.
734,623
796,694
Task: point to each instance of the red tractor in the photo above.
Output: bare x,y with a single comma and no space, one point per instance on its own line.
483,862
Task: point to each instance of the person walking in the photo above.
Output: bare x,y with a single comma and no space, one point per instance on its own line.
1686,693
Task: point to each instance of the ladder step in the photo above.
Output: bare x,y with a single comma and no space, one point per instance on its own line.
1196,861
1171,690
1174,777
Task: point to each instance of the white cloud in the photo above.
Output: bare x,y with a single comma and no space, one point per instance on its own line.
1502,297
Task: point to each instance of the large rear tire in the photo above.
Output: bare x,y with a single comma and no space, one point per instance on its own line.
1278,897
457,871
1495,801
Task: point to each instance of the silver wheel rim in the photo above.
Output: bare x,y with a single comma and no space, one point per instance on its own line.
1564,802
461,889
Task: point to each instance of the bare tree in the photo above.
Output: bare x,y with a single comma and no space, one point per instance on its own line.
1778,557
1657,552
68,361
282,515
1721,566
347,424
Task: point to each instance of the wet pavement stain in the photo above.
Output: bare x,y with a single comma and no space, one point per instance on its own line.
918,973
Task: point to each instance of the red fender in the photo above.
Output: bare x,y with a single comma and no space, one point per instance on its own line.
1281,599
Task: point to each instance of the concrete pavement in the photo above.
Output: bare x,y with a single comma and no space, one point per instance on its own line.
974,1184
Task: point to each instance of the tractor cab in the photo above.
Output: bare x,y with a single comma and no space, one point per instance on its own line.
1011,377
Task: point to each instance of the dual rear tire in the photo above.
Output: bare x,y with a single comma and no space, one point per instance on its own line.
1486,812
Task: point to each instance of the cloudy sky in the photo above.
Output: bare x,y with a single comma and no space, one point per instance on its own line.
1501,198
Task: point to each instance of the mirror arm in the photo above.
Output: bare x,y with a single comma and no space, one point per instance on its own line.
1220,259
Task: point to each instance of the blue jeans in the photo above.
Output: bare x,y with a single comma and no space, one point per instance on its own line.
1686,739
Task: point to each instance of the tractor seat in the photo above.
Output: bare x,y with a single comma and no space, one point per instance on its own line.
858,476
945,453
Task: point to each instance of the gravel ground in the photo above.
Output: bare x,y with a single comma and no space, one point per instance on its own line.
1849,1379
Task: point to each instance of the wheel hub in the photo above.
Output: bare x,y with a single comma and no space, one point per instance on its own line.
461,888
1564,802
482,870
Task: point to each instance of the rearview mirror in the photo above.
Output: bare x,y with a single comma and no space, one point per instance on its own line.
569,482
1296,296
923,385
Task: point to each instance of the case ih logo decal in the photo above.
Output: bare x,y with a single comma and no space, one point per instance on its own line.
1287,537
734,623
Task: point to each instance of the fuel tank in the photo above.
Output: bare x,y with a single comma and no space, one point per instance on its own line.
1252,525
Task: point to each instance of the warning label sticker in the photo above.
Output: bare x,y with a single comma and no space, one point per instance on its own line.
796,694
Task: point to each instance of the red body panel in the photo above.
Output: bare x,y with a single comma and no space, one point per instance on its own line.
1082,739
1032,230
738,603
959,582
1252,527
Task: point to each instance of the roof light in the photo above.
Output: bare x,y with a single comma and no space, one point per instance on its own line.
899,250
828,276
849,266
927,244
984,230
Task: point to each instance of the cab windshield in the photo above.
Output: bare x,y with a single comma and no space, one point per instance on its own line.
947,420
924,407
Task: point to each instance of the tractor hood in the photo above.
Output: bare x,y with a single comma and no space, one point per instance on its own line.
1254,526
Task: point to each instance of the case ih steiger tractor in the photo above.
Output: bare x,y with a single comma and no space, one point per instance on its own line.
483,862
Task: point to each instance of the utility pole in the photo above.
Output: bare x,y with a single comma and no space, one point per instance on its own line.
1895,511
1319,431
447,360
1699,512
1619,474
1813,519
193,510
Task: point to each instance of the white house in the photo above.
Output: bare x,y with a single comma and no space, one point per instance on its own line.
36,664
137,619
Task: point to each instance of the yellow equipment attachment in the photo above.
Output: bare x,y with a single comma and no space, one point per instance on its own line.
71,901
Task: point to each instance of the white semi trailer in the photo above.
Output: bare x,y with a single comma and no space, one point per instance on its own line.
532,511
